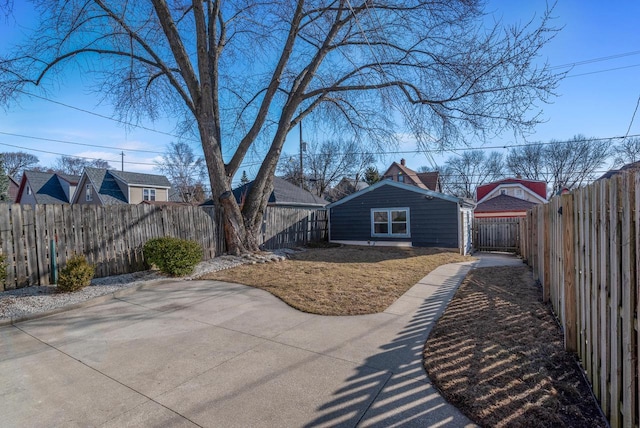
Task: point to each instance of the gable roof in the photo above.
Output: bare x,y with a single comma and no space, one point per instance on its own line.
424,180
140,179
45,187
535,187
503,203
284,193
107,190
404,186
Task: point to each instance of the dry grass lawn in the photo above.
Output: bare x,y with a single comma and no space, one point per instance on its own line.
497,354
347,280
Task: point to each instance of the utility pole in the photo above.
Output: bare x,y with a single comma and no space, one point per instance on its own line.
122,161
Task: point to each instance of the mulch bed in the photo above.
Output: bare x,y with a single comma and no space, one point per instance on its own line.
497,354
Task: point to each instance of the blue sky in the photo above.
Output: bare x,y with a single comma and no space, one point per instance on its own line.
596,99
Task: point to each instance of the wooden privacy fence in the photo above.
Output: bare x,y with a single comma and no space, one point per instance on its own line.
496,234
112,237
583,248
283,227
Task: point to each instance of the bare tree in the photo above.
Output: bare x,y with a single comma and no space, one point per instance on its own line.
528,162
325,164
16,162
185,171
244,70
462,174
627,151
75,165
576,162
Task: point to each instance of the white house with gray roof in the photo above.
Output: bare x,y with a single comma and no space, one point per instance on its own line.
109,187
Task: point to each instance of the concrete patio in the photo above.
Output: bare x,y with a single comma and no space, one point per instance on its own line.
207,353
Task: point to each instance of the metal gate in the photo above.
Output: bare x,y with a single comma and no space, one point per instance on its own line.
496,234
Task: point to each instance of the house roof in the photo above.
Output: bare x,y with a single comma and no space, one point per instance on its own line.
284,193
107,189
140,179
504,203
536,187
404,186
424,180
634,166
45,186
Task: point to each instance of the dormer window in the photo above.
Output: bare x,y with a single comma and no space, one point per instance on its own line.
503,191
88,194
149,194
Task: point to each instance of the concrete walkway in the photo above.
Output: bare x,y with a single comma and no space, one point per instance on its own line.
207,353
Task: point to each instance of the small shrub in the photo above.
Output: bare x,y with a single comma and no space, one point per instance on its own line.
172,256
76,275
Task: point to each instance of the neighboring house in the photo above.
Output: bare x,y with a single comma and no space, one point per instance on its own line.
630,167
424,180
284,194
99,186
511,197
46,188
345,187
14,186
393,213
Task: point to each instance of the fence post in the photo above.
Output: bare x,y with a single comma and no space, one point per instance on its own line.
570,303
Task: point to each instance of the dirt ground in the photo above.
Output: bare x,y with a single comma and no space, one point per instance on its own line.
497,354
346,280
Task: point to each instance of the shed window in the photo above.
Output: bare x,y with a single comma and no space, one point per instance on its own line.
89,193
390,222
149,194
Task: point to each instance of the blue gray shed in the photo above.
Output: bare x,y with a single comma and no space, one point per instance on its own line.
393,213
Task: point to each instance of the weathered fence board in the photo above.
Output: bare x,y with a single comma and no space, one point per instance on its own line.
591,239
496,234
112,237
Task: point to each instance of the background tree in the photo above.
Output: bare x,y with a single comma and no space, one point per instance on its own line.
462,174
574,163
75,165
627,151
16,162
561,164
371,175
185,171
325,164
528,161
243,70
244,179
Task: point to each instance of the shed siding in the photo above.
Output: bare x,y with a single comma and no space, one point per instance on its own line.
433,222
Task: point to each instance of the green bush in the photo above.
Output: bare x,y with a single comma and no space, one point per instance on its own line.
172,256
76,275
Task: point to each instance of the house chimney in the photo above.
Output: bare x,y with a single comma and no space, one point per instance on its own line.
402,162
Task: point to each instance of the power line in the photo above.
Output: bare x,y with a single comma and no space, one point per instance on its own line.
78,144
603,71
121,122
590,61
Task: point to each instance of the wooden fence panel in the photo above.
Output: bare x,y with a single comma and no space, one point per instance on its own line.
496,234
590,264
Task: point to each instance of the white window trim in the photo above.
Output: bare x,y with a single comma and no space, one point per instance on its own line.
88,194
390,234
149,190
